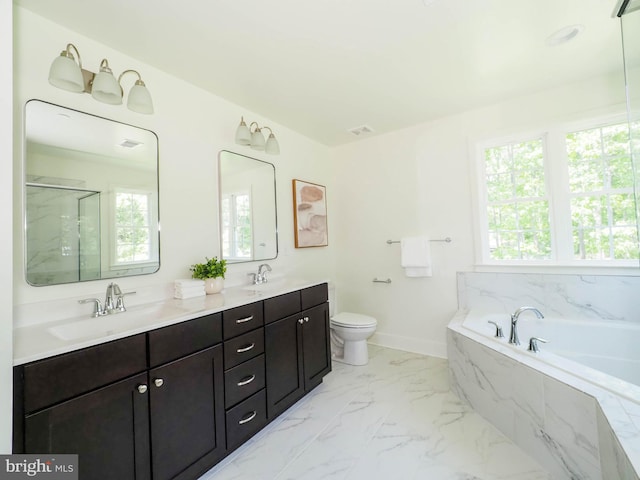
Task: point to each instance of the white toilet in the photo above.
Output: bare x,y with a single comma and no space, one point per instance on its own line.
349,334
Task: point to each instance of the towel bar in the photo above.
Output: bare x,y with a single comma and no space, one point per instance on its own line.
375,280
448,240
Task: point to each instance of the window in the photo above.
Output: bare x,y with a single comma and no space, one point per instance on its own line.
132,227
563,197
236,226
517,204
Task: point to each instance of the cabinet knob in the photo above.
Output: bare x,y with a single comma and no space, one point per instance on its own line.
301,321
142,389
306,319
158,382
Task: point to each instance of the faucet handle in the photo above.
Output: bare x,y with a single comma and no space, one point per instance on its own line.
254,278
533,344
98,310
499,333
120,300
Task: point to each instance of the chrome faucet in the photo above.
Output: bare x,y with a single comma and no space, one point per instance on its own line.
513,337
113,301
261,276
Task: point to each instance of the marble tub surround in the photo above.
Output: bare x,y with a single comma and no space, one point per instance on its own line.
34,338
393,418
584,297
573,427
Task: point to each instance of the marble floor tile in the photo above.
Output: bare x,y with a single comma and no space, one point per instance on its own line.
393,418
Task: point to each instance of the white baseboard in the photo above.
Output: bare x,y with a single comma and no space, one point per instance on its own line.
408,344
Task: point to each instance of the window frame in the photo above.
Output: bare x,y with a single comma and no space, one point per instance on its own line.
556,170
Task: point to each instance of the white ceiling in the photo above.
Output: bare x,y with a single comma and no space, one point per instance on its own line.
324,67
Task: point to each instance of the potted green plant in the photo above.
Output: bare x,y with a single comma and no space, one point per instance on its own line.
212,272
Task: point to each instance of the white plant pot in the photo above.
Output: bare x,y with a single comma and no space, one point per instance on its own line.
213,285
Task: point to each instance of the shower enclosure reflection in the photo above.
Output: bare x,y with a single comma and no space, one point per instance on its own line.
64,231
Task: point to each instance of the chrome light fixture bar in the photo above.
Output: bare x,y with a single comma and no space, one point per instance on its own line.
253,137
67,74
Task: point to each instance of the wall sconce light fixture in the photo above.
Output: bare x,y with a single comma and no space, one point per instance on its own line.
255,139
66,74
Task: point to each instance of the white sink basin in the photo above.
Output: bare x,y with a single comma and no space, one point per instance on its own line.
269,287
133,318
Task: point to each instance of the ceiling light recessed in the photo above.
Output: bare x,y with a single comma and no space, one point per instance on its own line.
564,35
364,129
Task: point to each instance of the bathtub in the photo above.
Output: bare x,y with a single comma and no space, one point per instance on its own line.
606,353
574,406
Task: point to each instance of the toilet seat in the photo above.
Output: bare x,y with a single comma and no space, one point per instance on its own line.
353,320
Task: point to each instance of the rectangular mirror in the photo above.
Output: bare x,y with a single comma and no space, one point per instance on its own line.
248,218
91,197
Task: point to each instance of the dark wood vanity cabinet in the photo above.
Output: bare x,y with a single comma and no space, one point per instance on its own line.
297,347
244,376
186,398
172,402
79,403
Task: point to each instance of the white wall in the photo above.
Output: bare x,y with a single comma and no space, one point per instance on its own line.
418,181
6,214
192,126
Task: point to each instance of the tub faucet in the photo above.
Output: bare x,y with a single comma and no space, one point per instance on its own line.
513,337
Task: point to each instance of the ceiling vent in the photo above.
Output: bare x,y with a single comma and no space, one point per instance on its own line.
363,130
126,143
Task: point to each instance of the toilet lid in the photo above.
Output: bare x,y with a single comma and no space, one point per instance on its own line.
353,320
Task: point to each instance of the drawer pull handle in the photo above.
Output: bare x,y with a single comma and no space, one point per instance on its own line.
246,348
247,419
246,380
158,382
142,389
245,319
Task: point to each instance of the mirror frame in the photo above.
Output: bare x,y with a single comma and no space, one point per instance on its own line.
275,206
24,182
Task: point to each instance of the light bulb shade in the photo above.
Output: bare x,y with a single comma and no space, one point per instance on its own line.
139,99
272,146
243,134
106,88
65,73
257,140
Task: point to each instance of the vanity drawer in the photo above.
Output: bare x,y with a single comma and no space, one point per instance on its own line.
312,296
50,381
243,348
245,419
182,339
239,320
243,381
281,306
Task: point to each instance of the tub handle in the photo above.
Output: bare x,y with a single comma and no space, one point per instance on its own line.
499,333
533,344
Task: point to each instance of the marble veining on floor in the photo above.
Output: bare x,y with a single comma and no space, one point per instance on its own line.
393,418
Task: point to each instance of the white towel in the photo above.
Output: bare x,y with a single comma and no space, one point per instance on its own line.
183,295
189,290
415,256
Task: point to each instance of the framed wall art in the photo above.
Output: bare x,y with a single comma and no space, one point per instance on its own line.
310,214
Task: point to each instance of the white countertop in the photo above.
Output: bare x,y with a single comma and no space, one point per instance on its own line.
35,342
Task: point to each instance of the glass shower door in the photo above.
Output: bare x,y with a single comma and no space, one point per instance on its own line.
630,24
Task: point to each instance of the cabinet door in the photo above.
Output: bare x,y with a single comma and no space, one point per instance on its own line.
107,428
316,345
187,415
283,360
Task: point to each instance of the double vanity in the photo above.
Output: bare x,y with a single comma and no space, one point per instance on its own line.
168,390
